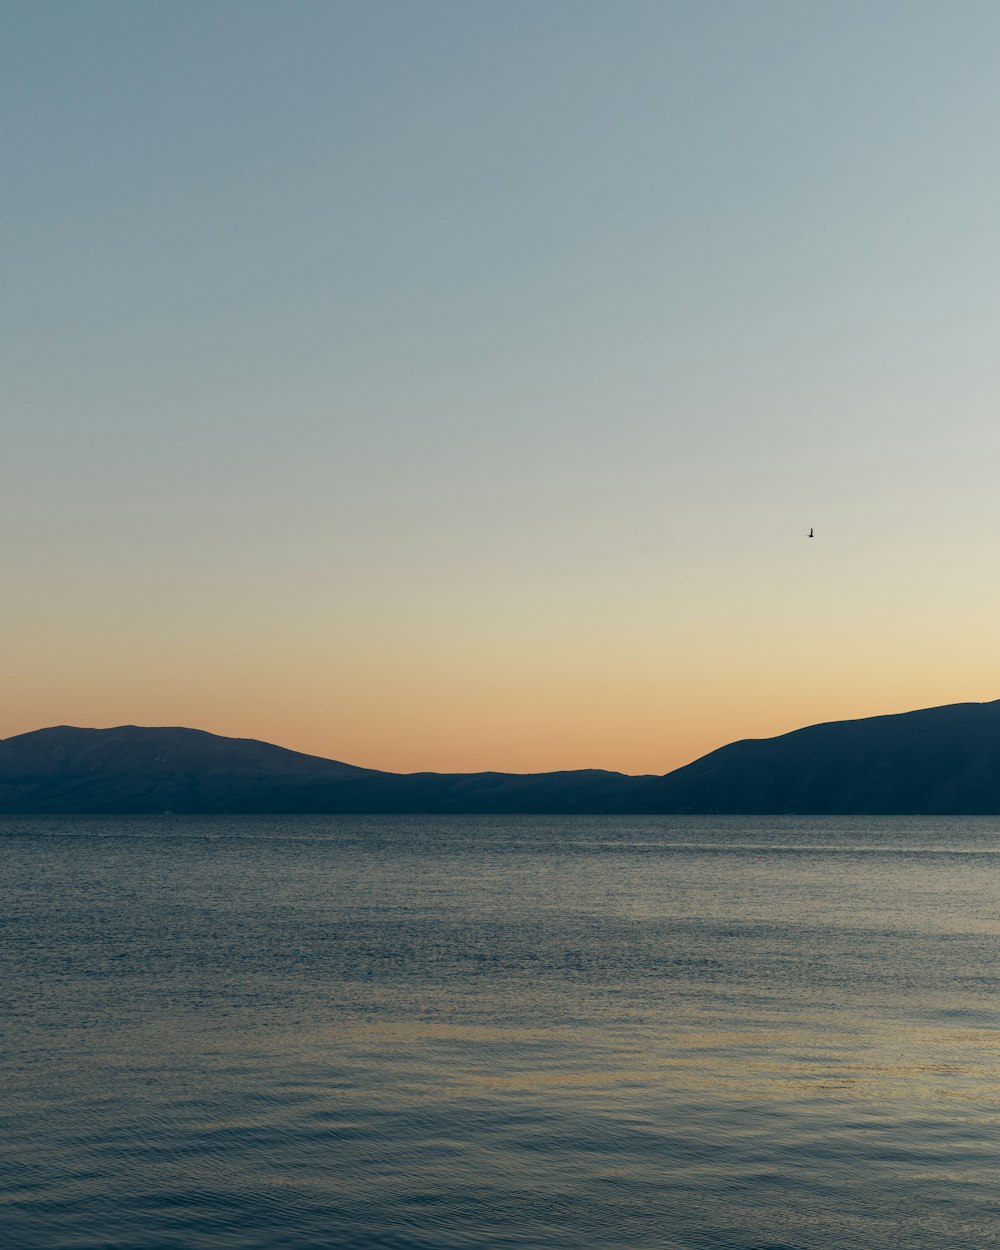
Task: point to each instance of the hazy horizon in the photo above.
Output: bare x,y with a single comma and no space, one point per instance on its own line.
454,387
362,764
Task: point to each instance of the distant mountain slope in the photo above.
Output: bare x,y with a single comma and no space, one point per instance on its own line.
130,768
942,760
935,761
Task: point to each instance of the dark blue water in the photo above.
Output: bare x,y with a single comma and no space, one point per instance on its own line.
551,1033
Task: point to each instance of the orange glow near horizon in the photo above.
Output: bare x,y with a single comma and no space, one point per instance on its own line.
420,698
578,669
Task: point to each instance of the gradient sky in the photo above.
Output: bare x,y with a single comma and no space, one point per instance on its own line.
453,385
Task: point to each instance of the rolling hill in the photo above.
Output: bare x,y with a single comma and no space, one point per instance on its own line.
943,760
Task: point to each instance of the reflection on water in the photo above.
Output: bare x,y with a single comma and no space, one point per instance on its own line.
545,1033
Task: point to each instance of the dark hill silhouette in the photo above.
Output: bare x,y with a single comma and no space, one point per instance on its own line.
936,761
943,760
134,769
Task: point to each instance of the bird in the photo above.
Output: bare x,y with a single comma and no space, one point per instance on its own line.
810,531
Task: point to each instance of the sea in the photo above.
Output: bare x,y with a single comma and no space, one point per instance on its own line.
551,1033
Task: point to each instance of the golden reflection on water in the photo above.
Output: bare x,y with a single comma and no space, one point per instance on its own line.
906,1065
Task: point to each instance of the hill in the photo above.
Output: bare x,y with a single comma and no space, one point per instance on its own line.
135,769
943,760
132,769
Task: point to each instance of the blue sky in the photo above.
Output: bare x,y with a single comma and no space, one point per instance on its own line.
449,384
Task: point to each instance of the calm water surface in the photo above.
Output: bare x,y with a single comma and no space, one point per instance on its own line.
551,1033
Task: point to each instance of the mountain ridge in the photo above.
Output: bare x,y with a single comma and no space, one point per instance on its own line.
942,760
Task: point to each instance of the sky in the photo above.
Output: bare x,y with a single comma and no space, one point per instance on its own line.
447,385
